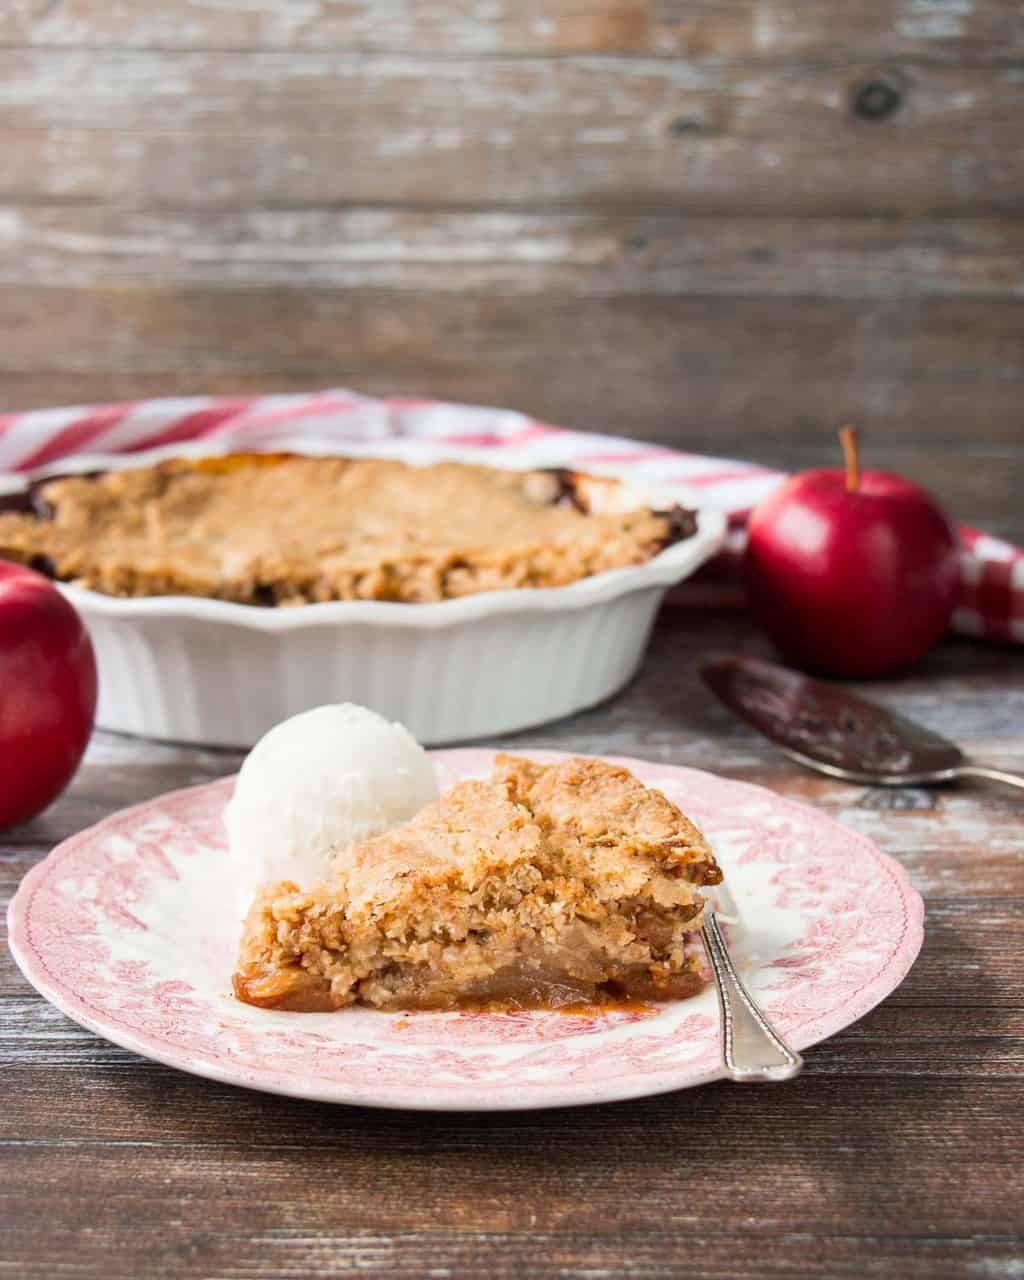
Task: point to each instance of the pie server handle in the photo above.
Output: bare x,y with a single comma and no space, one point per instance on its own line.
752,1052
971,770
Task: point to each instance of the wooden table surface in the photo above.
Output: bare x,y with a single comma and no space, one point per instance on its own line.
897,1153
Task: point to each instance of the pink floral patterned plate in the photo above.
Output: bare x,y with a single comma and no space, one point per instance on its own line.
123,928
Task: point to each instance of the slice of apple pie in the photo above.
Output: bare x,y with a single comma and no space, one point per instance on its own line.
545,886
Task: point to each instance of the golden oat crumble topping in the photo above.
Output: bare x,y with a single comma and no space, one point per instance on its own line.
546,885
285,529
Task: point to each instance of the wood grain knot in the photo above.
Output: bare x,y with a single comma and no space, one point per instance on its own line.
682,125
876,99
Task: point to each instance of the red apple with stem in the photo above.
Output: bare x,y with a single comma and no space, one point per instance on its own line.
852,572
47,692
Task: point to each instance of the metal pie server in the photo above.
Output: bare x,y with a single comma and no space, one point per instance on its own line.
826,728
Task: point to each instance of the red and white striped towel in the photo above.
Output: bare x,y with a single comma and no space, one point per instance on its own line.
992,576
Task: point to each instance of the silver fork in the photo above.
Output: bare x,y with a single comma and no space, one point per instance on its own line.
752,1052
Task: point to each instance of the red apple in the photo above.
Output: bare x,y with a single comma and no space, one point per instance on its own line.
852,573
47,692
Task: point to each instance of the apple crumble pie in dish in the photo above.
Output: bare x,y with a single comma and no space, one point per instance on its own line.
288,529
226,592
544,886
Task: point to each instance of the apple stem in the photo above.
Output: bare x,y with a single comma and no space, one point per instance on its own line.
848,439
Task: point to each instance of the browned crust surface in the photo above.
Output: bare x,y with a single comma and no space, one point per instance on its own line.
286,529
547,884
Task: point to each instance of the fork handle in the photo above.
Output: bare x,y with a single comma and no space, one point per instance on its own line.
752,1052
971,770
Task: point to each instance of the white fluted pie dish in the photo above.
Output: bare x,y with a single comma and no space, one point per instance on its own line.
208,671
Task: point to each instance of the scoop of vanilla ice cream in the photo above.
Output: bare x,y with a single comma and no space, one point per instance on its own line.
321,779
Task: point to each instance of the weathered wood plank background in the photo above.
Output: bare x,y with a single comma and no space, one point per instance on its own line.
727,224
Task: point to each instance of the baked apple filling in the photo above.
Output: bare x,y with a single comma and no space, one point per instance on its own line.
546,885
